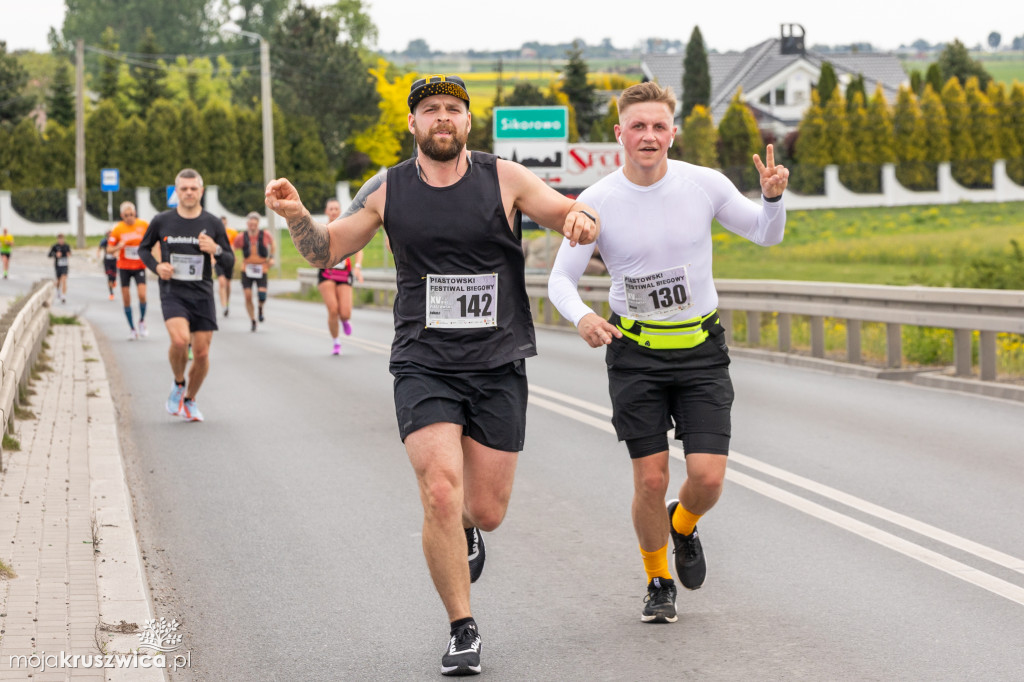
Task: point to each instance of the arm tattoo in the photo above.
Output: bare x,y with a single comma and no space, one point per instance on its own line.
312,240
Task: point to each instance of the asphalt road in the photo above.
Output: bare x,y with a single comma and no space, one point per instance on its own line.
869,530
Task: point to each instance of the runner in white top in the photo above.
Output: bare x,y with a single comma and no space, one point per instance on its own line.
667,362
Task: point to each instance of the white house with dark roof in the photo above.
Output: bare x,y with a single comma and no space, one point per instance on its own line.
777,77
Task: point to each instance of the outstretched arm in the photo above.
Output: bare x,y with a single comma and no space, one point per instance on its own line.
325,245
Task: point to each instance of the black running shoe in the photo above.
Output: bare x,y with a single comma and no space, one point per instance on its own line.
253,325
463,654
261,315
477,553
660,602
691,567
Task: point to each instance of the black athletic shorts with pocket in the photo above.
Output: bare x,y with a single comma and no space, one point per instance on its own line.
201,313
489,404
128,275
652,390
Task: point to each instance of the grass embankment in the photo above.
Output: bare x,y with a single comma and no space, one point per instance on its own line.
898,246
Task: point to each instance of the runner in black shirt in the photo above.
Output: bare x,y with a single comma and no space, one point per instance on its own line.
460,388
187,236
59,252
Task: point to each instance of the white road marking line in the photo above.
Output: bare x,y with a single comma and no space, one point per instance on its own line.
931,558
989,554
372,346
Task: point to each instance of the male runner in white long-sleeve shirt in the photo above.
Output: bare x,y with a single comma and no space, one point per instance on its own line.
667,361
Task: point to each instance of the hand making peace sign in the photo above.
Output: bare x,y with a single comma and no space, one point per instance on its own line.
773,178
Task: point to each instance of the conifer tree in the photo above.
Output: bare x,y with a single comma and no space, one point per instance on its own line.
961,143
282,145
604,128
956,62
984,131
740,139
110,67
146,73
249,129
880,128
14,103
1013,124
313,179
837,131
812,150
131,140
856,85
827,83
934,78
861,174
192,139
60,102
219,157
25,145
578,90
101,140
162,149
700,138
936,123
58,156
696,74
910,144
916,81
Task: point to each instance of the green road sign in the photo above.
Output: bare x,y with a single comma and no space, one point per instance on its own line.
531,123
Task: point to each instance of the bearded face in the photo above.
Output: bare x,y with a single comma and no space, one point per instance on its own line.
442,142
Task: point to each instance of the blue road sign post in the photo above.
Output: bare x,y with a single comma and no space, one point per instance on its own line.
172,197
110,182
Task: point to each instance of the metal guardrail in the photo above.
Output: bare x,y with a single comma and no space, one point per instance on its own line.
22,330
964,311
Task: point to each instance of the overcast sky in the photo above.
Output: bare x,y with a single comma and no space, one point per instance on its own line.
725,25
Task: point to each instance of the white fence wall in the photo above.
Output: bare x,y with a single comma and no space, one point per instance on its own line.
95,227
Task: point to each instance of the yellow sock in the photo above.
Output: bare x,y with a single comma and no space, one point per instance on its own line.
684,521
656,563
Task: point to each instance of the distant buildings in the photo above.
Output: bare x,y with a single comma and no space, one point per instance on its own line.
777,76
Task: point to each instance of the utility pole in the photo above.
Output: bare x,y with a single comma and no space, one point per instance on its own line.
80,139
268,125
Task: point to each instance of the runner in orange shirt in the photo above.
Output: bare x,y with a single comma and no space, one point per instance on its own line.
124,240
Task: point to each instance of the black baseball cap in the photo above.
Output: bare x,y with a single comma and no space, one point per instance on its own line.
437,85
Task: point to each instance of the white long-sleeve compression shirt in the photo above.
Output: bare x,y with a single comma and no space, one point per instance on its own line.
647,230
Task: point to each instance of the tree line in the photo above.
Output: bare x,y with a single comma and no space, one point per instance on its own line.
340,113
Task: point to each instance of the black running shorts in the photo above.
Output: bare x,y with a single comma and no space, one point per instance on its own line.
489,404
247,281
653,389
110,267
61,270
201,313
128,275
221,272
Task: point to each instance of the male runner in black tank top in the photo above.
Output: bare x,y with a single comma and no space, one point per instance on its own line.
460,384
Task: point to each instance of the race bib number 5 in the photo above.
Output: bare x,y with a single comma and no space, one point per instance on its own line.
658,295
462,301
187,267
